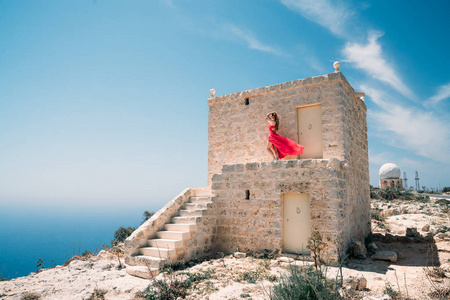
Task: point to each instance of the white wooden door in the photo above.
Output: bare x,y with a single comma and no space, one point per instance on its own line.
309,122
296,222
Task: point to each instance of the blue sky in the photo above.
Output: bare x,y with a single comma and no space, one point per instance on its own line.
104,102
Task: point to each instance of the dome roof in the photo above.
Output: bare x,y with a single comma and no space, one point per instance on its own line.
389,171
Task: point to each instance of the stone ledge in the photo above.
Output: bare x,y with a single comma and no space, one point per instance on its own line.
329,163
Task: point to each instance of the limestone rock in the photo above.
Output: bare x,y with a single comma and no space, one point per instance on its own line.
141,271
385,255
445,267
285,259
357,284
105,255
412,232
426,228
440,236
372,247
240,254
359,250
350,283
362,283
443,201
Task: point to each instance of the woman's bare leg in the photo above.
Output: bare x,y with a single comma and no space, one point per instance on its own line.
277,155
272,150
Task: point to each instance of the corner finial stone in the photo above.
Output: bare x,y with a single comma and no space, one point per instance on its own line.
212,91
336,66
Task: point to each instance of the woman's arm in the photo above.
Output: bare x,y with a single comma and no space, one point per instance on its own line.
270,121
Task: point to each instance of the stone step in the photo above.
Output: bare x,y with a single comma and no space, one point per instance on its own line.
158,252
201,199
192,213
149,261
180,227
165,243
194,206
202,192
186,220
173,235
142,272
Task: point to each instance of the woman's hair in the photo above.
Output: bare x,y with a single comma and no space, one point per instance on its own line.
277,120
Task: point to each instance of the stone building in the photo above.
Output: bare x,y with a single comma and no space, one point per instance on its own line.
252,203
390,176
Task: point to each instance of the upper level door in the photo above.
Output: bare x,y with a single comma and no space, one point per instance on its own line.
309,122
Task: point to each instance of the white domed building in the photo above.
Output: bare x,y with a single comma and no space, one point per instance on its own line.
390,176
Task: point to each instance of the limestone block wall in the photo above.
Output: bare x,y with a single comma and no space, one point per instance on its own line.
257,223
357,159
238,131
238,134
203,241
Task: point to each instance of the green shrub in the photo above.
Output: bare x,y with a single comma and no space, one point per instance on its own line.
30,296
97,294
391,292
374,195
307,284
395,193
375,215
40,265
122,233
173,286
256,275
316,245
165,289
147,215
265,254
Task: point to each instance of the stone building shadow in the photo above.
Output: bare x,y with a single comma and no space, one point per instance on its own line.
411,252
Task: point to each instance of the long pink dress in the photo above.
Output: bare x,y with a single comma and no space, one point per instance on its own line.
284,145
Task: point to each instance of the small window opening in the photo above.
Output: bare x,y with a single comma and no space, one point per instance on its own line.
247,195
247,101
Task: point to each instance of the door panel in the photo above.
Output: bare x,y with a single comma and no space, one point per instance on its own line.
309,122
296,222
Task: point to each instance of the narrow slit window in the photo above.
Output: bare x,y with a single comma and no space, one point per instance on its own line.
247,195
247,101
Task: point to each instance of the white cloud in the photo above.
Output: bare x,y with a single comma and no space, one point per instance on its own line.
370,59
424,133
250,39
331,15
442,94
379,158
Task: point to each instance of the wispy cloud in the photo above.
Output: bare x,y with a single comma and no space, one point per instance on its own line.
168,3
442,94
370,58
421,132
250,39
332,15
380,158
341,20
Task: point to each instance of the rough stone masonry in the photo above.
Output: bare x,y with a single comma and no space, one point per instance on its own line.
338,183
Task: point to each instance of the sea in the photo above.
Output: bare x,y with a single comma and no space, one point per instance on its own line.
55,234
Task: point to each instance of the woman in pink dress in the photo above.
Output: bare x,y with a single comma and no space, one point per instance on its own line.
279,146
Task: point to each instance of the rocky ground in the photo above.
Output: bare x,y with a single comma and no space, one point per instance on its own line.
422,266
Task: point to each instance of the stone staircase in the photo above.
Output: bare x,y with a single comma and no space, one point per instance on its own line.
170,244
